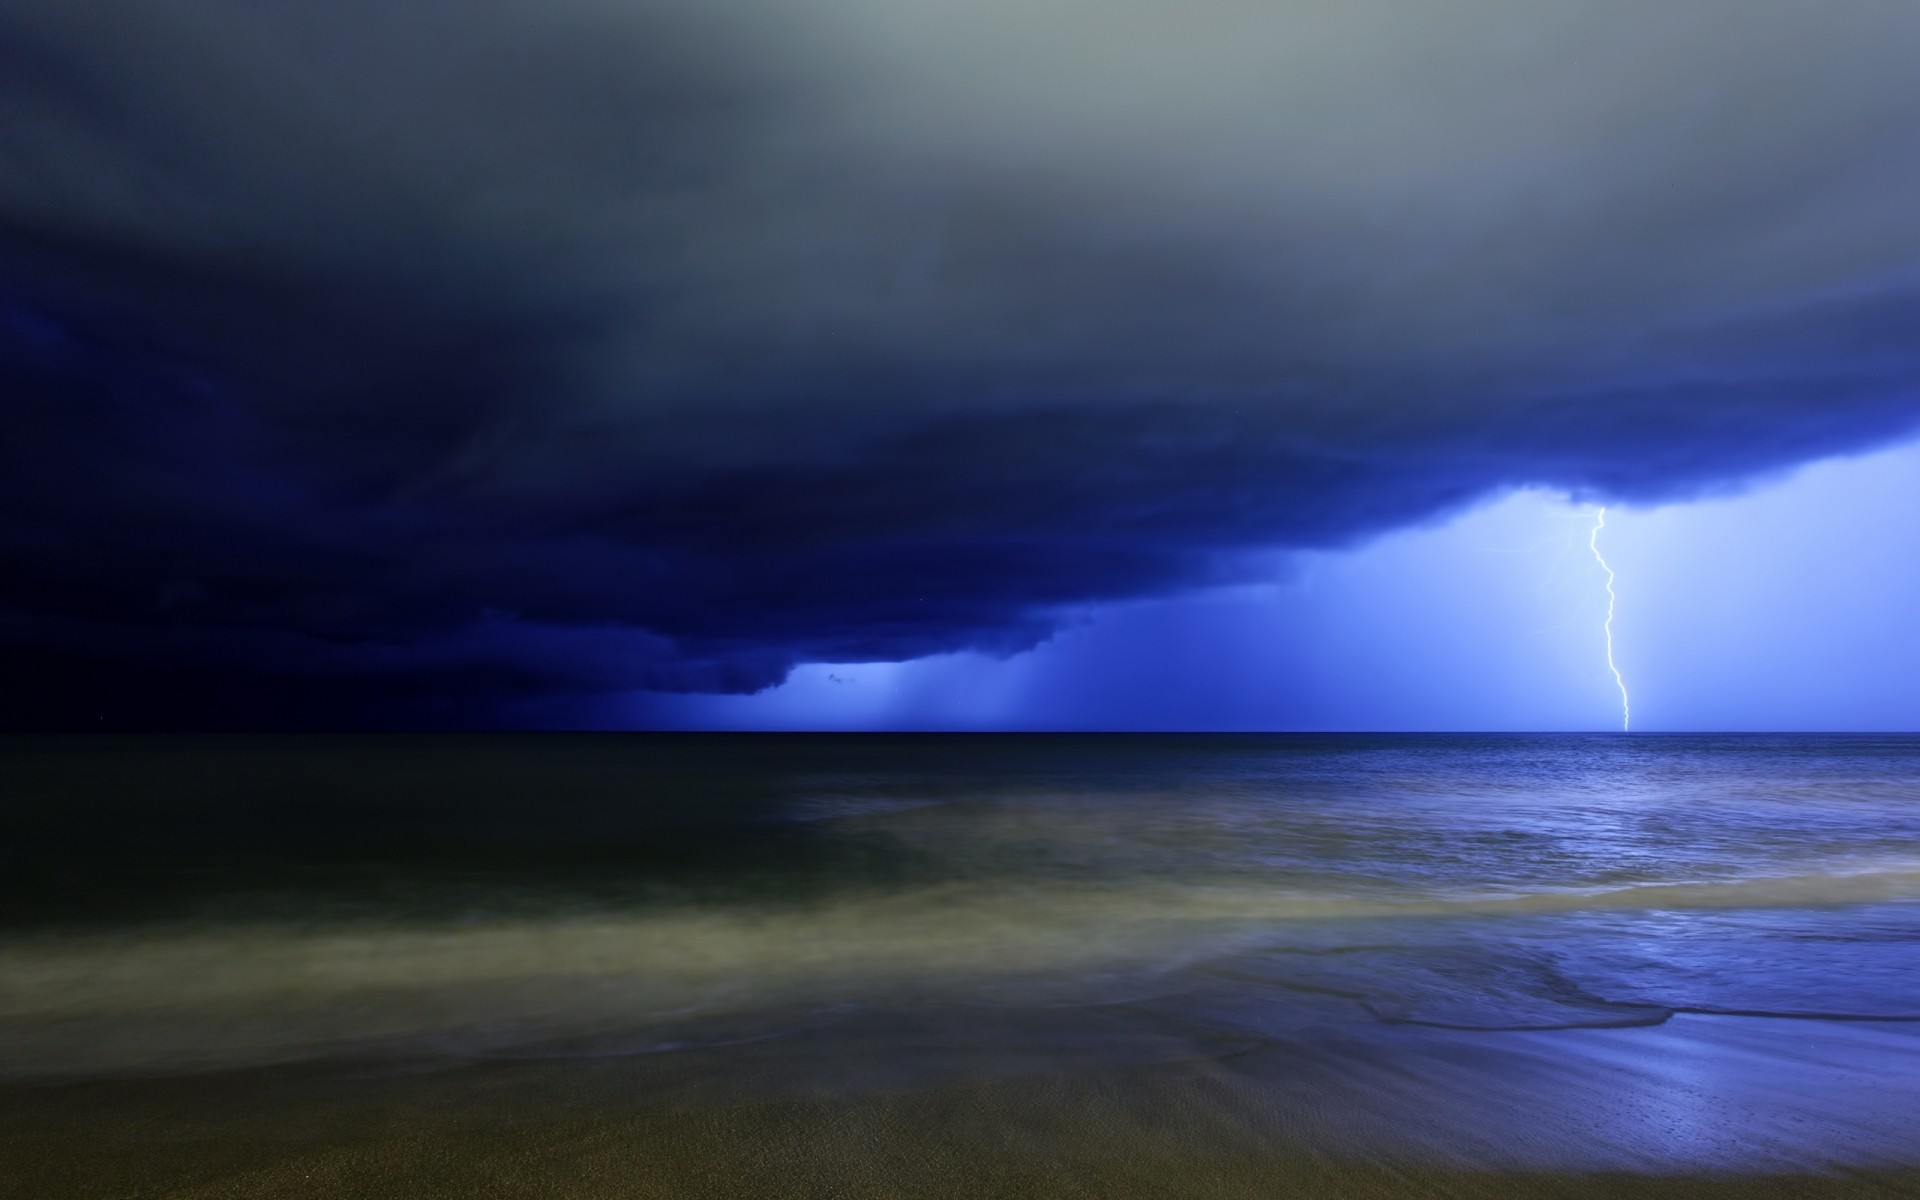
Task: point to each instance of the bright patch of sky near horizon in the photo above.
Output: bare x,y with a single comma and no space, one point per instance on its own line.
1788,606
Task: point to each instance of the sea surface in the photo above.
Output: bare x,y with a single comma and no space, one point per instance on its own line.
756,917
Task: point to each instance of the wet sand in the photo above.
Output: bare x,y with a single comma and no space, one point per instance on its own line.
1697,1107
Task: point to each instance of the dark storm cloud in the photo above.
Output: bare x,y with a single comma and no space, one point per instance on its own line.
407,358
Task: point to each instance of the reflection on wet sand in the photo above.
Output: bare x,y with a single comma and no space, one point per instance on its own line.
1700,1106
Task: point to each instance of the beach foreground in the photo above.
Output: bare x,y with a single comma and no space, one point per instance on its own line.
1698,1107
1230,967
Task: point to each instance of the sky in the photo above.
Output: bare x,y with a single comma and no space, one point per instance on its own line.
1080,364
1789,606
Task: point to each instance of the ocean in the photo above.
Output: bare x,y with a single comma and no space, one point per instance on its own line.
1650,954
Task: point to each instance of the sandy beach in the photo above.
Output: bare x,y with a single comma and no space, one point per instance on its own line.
1697,1107
1469,967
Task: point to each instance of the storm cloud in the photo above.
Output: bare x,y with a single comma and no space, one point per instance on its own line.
383,362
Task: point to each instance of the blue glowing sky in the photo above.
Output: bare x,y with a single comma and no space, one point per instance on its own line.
1791,605
1080,364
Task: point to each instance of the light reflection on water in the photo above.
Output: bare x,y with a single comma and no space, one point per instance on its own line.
226,903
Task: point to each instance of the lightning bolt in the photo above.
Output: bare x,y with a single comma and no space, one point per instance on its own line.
1593,543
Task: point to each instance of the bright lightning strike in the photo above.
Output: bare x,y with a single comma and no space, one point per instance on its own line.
1593,542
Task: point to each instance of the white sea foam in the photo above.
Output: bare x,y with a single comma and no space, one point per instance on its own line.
200,997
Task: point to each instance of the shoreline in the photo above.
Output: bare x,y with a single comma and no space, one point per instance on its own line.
1703,1106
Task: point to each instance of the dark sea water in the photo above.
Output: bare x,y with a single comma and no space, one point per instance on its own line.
769,915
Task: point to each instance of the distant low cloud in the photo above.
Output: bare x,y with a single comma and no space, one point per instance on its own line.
371,363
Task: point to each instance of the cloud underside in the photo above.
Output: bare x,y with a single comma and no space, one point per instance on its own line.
392,362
